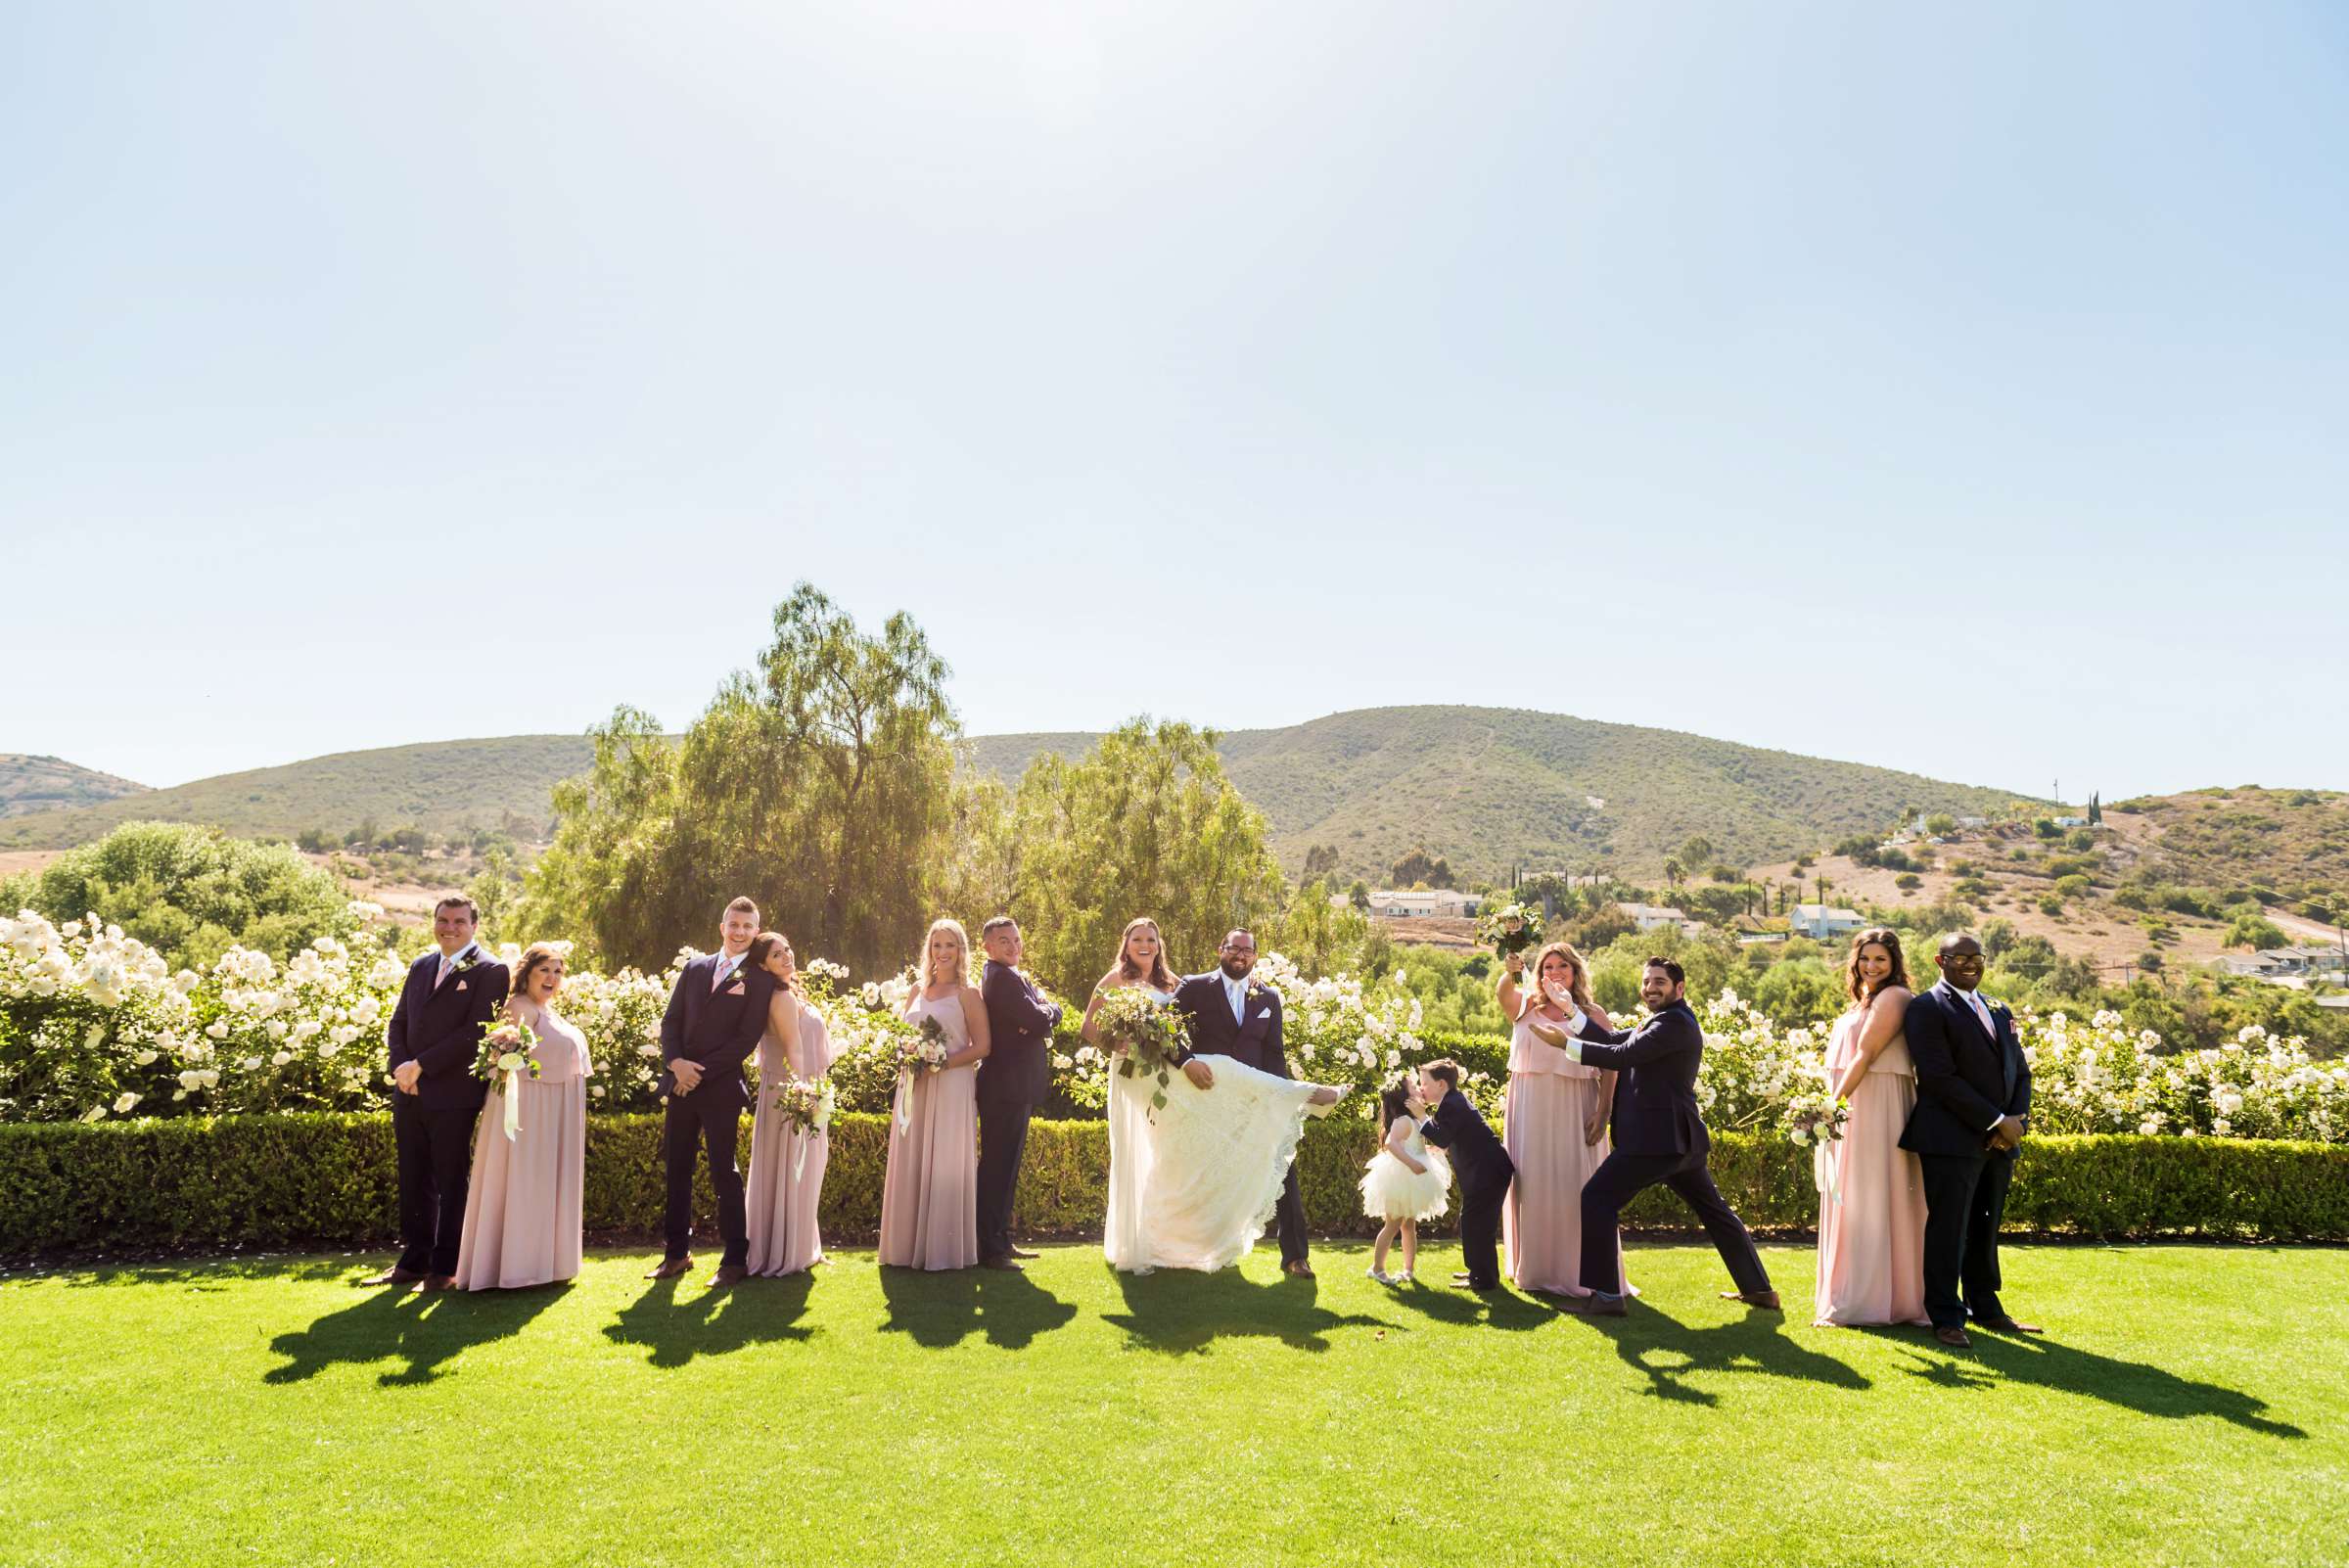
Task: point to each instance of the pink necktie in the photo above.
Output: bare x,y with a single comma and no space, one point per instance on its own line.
445,966
718,976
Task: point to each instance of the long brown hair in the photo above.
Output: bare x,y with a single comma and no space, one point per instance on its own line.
763,944
1887,939
536,953
1160,974
1579,987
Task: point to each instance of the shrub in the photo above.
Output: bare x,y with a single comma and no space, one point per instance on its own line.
327,1178
2051,904
1907,881
2071,887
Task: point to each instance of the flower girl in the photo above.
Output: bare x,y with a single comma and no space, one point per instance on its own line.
1407,1181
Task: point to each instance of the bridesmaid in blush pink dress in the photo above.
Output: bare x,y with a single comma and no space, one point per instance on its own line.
522,1210
1554,1127
1871,1204
786,1160
930,1195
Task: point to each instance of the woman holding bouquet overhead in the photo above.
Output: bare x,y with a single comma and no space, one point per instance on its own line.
1554,1127
930,1195
790,1144
1872,1194
522,1210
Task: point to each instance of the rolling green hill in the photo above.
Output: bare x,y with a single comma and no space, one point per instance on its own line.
441,786
1487,787
31,784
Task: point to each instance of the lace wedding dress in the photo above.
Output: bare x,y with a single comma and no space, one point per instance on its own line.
1194,1185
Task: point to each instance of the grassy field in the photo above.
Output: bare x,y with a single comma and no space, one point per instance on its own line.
2188,1407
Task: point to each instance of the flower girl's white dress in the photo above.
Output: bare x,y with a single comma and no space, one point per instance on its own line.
1392,1190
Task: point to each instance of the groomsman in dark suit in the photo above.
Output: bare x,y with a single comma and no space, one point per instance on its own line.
1013,1080
1973,1095
714,1022
450,999
1483,1166
1659,1135
1231,1015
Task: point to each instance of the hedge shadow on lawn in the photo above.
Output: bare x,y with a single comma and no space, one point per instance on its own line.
1666,1351
422,1330
676,1327
2135,1386
939,1310
1182,1311
212,1273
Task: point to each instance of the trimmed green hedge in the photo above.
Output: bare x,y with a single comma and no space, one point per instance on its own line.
326,1178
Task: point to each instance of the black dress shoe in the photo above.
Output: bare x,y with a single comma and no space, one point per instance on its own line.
1007,1262
1023,1252
394,1275
672,1268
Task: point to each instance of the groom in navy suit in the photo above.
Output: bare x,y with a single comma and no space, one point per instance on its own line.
714,1022
1973,1095
1233,1016
447,1005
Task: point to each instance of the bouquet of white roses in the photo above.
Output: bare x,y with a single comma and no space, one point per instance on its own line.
1511,928
1152,1035
1814,1117
505,1054
806,1104
918,1050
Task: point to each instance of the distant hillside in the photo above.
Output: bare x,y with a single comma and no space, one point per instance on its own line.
49,784
441,786
2249,837
1489,786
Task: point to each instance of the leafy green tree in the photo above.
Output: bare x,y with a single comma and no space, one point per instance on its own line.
1940,824
819,782
1698,851
1420,869
191,892
1145,823
2254,932
1320,860
1799,991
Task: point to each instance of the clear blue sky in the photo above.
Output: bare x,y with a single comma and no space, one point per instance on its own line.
380,373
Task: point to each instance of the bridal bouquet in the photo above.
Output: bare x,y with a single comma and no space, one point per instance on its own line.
918,1050
1511,928
1814,1116
505,1055
1152,1035
806,1104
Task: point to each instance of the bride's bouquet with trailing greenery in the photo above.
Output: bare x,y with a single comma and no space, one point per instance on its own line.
505,1055
1511,928
1151,1034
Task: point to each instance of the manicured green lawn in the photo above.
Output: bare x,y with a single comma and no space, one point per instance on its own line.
2189,1406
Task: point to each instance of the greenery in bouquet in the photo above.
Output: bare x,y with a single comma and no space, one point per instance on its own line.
1151,1034
1512,928
1814,1117
505,1052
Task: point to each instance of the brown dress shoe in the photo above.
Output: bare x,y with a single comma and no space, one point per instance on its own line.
393,1276
1768,1300
2008,1325
1007,1262
1298,1267
438,1283
728,1275
1955,1338
1023,1252
672,1268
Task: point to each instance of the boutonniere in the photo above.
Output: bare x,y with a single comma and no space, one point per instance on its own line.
466,963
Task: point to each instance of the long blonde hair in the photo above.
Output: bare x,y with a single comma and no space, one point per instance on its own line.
1160,976
1577,987
963,942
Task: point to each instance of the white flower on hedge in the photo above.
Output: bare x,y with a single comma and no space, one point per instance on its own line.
189,1077
123,1103
218,1029
366,1010
70,930
94,1114
327,1049
144,1058
598,1092
281,1058
251,1064
275,1029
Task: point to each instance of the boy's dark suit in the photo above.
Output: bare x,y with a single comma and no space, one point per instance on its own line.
1485,1170
716,1023
438,1024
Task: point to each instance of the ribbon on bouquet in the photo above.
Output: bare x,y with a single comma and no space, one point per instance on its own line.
512,1095
1827,1168
904,1099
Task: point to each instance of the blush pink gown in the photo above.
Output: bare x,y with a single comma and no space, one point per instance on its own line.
522,1210
1542,1126
930,1196
1871,1200
786,1160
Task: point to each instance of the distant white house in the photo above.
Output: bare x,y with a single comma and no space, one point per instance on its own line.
1648,916
1442,903
1818,921
2071,821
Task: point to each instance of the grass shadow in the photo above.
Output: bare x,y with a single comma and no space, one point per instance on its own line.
938,1311
1180,1312
1493,1309
674,1327
1667,1352
421,1331
2132,1385
210,1274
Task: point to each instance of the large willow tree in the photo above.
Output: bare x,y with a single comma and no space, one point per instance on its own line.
820,782
1145,823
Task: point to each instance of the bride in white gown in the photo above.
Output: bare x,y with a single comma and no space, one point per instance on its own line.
1192,1184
